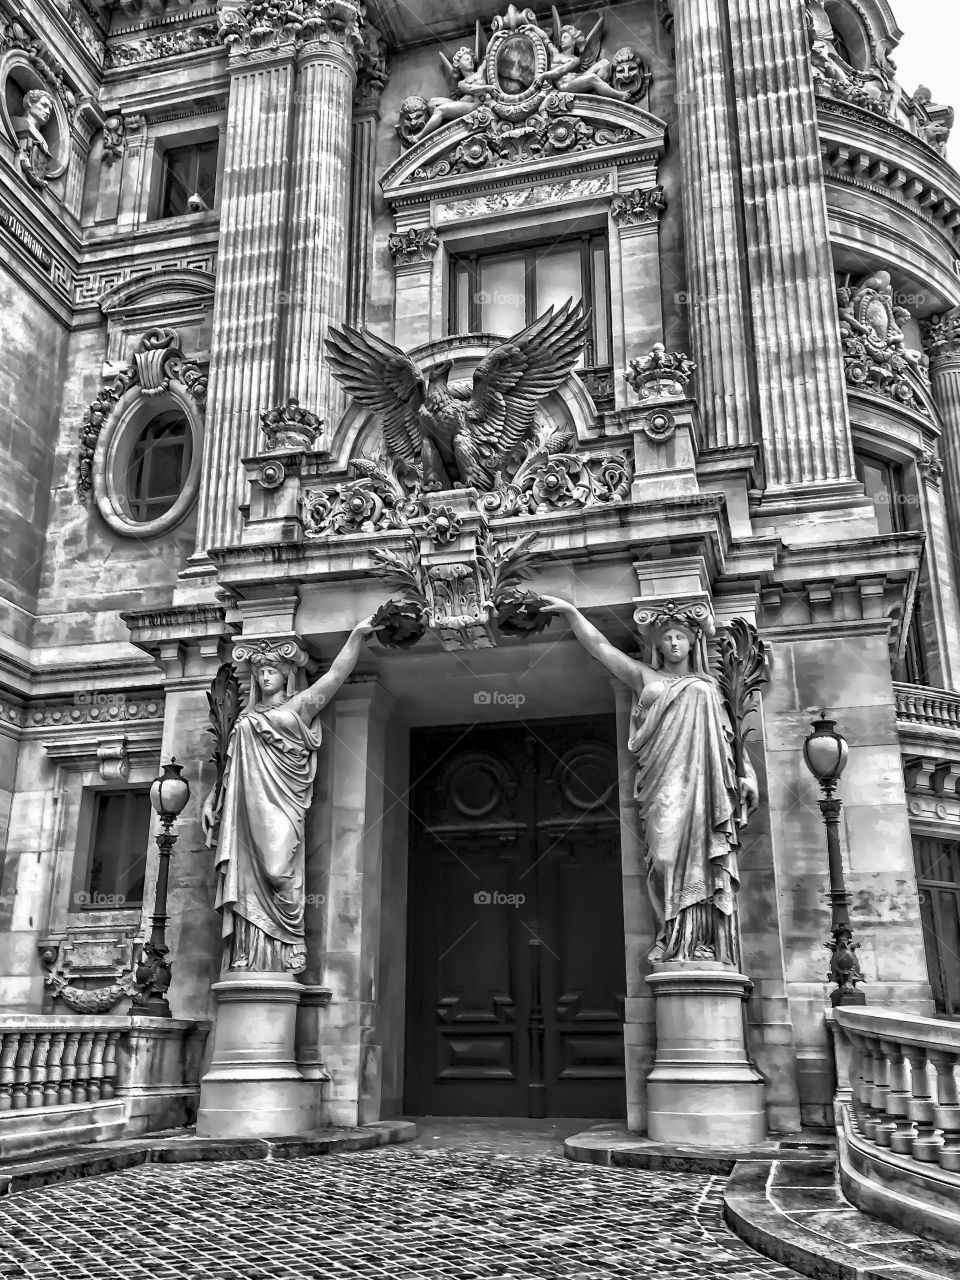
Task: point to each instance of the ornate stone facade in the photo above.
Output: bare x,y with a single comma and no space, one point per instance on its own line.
353,330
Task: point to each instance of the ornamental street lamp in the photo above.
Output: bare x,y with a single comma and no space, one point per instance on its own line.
825,753
168,795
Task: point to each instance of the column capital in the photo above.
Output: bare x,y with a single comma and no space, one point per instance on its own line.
265,29
941,341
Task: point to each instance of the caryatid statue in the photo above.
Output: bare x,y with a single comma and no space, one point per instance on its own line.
691,801
261,805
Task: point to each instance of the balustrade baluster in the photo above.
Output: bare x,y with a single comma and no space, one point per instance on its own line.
899,1098
878,1123
922,1108
69,1066
8,1057
81,1083
21,1071
110,1064
38,1070
51,1088
95,1087
947,1111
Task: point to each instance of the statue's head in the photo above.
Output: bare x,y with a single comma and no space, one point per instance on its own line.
414,114
628,71
570,37
463,60
674,641
38,106
272,674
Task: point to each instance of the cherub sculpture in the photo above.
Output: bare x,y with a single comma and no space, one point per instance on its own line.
460,434
468,86
575,62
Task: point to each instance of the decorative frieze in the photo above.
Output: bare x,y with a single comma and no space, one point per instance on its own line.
94,707
376,499
91,286
417,244
660,374
291,427
516,198
639,207
875,355
168,44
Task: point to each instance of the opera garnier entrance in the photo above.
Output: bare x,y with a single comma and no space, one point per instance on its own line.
516,1009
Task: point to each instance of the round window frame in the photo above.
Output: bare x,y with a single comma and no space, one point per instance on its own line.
15,65
131,415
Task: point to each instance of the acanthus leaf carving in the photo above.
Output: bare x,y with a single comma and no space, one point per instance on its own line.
635,208
416,244
552,477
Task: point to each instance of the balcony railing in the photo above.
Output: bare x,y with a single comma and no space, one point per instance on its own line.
931,708
904,1083
46,1062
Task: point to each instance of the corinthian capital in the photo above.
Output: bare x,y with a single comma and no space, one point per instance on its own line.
941,339
254,26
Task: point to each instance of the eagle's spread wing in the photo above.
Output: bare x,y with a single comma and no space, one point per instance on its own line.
511,381
378,374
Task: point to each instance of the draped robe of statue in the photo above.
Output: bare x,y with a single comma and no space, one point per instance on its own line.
688,796
268,786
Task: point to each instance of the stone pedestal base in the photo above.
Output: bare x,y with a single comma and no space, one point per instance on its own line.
703,1089
254,1088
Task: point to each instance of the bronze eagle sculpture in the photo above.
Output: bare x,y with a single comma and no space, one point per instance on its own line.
460,433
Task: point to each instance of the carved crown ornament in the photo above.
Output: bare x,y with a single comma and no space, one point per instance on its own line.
660,374
522,94
875,355
156,363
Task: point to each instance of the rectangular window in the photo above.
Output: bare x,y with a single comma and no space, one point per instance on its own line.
187,172
882,482
118,850
938,879
501,293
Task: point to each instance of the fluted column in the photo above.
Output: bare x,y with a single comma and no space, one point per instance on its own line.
796,341
942,341
320,244
713,232
245,342
366,116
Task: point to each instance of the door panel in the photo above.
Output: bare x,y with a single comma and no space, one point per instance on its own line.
516,953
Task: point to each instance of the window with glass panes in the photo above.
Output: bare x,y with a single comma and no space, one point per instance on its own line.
882,482
159,465
118,848
503,292
188,171
938,880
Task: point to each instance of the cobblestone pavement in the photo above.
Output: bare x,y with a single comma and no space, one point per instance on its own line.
394,1212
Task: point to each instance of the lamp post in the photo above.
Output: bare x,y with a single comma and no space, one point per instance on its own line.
825,752
168,795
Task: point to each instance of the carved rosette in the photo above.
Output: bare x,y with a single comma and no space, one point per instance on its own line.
415,245
158,361
661,374
875,356
376,499
639,207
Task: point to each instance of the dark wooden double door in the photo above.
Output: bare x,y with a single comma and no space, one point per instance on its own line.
515,922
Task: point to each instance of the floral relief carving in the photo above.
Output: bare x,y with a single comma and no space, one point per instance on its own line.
552,477
636,208
416,244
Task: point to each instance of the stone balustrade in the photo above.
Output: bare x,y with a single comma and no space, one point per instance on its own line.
898,1117
52,1061
932,708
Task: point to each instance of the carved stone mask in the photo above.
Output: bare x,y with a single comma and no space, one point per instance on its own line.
414,113
628,71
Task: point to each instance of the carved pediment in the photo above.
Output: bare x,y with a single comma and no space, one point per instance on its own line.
565,128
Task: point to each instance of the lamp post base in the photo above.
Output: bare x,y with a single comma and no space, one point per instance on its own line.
254,1088
703,1090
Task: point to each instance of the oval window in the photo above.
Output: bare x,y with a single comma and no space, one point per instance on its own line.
159,465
